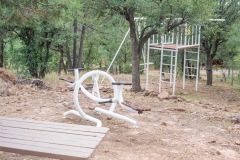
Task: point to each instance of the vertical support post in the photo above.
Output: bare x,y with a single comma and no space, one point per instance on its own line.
172,36
175,62
181,36
184,68
161,65
171,71
95,90
196,35
175,73
153,39
185,35
192,31
197,76
76,74
147,65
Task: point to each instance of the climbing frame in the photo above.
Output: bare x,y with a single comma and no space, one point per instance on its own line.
185,38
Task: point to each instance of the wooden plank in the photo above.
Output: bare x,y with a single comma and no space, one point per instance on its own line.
46,146
42,152
41,127
174,46
63,125
21,131
67,141
53,140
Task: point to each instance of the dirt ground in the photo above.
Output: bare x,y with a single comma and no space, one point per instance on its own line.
203,125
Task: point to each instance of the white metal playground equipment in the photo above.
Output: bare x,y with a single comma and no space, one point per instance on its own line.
185,37
117,98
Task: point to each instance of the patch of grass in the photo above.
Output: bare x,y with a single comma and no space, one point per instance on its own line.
53,79
190,96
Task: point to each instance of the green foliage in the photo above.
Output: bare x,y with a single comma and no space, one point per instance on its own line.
41,29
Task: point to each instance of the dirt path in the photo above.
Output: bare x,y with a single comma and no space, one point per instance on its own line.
198,126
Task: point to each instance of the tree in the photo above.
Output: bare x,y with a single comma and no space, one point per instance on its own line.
214,34
232,48
35,23
160,15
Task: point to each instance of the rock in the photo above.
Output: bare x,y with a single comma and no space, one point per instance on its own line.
7,76
204,106
153,94
106,151
18,109
12,91
237,142
212,141
163,95
91,107
218,153
145,93
109,118
70,107
66,103
177,109
180,99
173,97
164,124
235,118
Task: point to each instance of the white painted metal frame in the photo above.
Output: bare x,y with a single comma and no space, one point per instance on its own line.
184,38
117,98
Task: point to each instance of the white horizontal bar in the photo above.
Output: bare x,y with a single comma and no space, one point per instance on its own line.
190,75
146,63
219,20
166,73
191,60
191,52
166,81
166,55
191,67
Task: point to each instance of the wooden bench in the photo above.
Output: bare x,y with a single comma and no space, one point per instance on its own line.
49,139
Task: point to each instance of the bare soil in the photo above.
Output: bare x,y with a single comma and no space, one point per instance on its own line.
203,125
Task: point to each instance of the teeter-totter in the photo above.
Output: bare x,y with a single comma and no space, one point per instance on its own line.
95,96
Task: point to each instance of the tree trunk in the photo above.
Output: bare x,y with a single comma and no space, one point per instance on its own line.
69,61
75,43
136,87
80,54
229,68
1,52
209,68
60,65
47,56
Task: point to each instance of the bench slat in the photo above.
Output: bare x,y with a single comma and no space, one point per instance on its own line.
46,146
64,125
42,151
41,127
54,140
22,131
